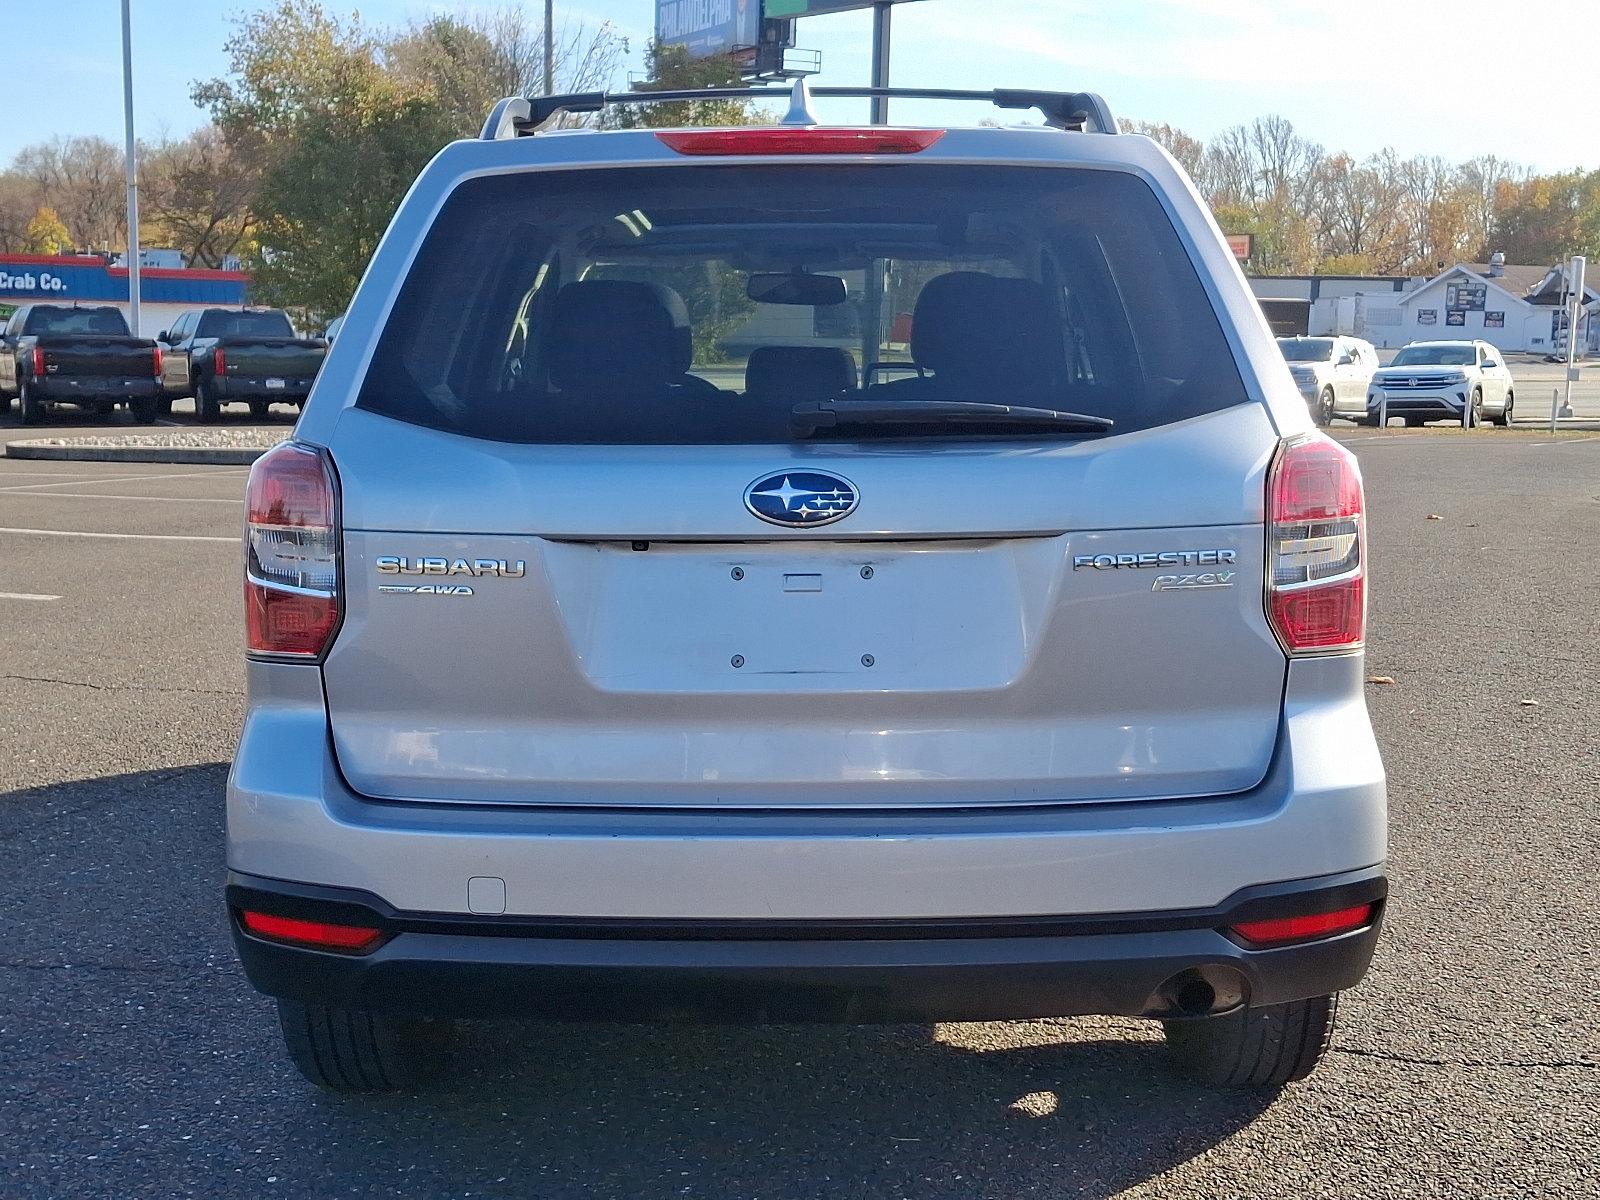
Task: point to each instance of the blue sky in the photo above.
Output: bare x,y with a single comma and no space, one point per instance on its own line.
1426,76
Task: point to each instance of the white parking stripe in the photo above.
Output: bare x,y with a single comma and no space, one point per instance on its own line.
1565,442
137,537
17,487
21,494
25,596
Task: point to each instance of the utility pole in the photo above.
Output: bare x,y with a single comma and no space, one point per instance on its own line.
549,47
131,167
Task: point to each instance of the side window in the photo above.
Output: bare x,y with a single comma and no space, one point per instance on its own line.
18,319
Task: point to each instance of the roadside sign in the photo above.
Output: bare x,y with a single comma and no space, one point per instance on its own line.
707,28
1241,244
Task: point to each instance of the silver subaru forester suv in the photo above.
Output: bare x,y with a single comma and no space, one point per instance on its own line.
802,573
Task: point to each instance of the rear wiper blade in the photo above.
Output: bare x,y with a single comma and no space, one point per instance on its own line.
808,418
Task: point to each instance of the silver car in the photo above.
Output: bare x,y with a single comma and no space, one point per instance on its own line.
988,645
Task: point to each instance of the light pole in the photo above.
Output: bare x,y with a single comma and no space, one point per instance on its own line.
549,47
131,167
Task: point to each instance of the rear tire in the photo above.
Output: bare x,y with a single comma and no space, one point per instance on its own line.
1323,413
260,408
356,1052
1414,422
1255,1047
206,408
143,409
32,408
164,406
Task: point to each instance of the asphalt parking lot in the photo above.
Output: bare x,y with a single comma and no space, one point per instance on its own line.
139,1064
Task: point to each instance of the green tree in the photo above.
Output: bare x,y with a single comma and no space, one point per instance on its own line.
336,138
47,234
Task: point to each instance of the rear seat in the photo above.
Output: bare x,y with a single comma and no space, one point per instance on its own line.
977,336
797,374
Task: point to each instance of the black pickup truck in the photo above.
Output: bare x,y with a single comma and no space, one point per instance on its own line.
221,355
63,354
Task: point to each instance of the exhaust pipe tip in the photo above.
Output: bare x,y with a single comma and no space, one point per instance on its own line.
1207,991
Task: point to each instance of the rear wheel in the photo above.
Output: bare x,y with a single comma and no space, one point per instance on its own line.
143,409
103,408
1414,422
1255,1047
32,407
260,408
206,408
164,406
349,1050
1505,418
1322,414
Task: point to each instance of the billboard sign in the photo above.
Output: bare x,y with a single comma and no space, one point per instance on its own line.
707,28
1242,245
1466,297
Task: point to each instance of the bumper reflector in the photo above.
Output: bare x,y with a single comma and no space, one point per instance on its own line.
1302,929
319,935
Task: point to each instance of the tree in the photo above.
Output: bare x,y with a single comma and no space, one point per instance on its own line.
82,179
336,139
1189,151
196,197
46,234
670,69
469,63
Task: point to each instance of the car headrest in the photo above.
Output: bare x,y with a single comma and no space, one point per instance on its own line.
799,373
997,331
615,332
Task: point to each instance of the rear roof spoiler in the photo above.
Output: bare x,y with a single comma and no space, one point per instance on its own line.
516,116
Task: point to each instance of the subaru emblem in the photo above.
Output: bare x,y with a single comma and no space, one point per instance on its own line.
801,498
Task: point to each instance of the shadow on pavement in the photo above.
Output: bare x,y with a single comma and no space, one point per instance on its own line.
120,878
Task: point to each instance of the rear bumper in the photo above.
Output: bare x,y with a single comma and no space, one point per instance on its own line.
89,388
254,387
1135,965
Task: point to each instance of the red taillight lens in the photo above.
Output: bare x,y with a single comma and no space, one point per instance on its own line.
779,140
219,361
320,935
1317,595
38,361
1301,929
291,587
158,362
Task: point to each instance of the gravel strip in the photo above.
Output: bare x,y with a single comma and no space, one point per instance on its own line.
230,446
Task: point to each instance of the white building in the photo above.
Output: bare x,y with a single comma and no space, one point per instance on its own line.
1516,308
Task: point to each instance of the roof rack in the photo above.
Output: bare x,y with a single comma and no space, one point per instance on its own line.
516,116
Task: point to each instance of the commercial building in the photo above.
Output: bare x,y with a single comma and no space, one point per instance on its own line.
1517,308
89,279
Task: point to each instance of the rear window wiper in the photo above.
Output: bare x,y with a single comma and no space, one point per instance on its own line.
807,419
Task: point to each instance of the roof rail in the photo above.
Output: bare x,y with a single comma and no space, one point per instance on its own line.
518,115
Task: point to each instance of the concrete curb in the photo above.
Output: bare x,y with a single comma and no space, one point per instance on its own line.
231,456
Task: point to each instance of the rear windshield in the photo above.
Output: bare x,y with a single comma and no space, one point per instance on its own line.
244,324
1435,356
107,321
710,304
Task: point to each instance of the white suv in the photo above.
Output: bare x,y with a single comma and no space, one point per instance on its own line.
1428,381
986,643
1332,373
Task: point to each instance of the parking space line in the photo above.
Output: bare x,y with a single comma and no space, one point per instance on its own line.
123,479
21,494
136,537
1566,441
25,596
